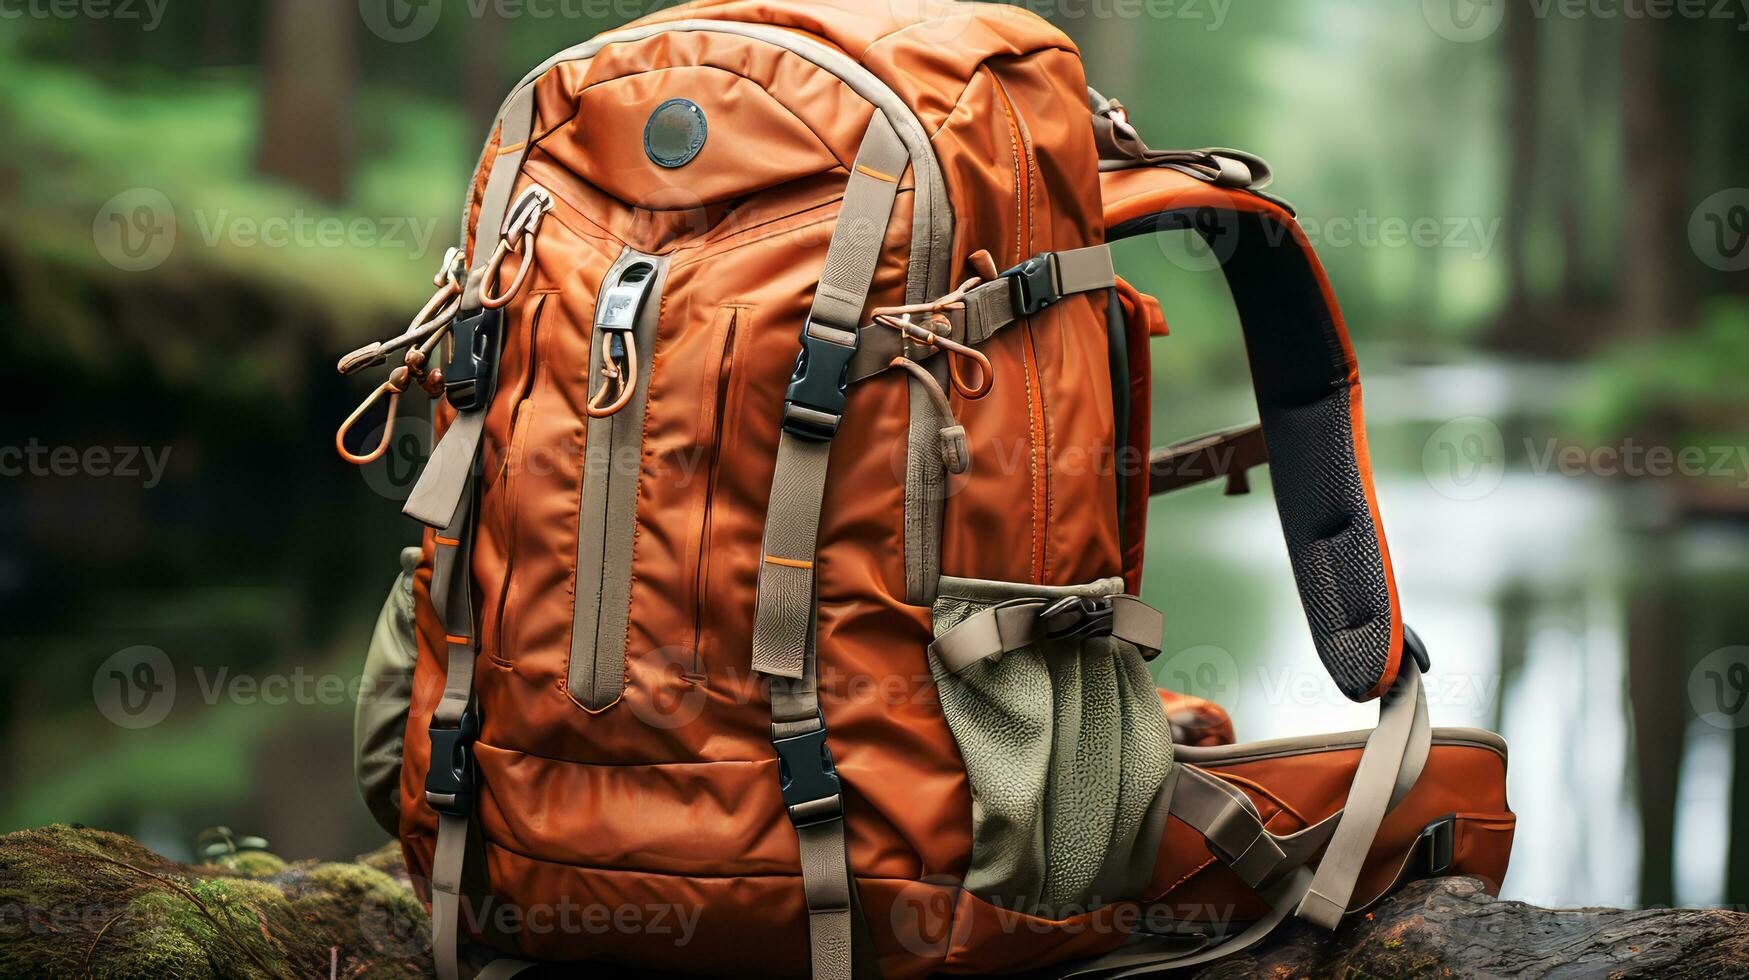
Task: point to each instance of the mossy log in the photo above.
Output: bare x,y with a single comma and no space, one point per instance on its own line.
76,902
81,902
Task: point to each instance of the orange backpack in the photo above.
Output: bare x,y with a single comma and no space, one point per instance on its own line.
738,653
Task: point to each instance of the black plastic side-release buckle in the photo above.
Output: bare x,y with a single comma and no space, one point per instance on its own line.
469,374
1074,617
449,782
1417,649
814,404
809,778
1035,283
1437,841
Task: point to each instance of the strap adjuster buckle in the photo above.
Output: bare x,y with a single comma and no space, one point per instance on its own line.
1035,283
449,782
1439,836
814,403
468,377
1076,616
808,778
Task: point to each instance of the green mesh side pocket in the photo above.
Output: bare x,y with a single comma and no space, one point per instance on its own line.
1066,749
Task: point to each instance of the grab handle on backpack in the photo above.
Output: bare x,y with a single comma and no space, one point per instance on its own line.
1309,405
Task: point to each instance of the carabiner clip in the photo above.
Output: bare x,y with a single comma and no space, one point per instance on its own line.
619,372
393,387
518,237
429,327
956,351
617,309
900,319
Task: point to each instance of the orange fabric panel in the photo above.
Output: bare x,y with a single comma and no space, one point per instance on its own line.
1039,502
1141,317
1296,791
1196,721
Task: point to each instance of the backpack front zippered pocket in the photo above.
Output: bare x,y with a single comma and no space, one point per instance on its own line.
515,461
718,430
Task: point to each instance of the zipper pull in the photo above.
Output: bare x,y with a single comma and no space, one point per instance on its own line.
616,318
956,454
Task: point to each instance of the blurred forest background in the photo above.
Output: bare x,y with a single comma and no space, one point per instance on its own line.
1536,213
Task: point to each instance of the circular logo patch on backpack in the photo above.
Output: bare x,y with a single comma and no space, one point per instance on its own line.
675,133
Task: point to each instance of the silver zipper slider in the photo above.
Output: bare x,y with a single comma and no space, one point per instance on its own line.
616,314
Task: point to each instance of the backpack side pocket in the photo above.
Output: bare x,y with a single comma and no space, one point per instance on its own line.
1067,751
380,725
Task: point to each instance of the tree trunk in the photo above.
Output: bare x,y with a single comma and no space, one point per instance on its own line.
1654,166
483,81
1521,39
1657,695
94,903
307,93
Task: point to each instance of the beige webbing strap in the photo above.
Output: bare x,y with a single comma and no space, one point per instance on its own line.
452,597
446,895
784,621
1020,623
1145,957
437,496
993,305
1396,749
1122,148
786,569
1277,864
799,732
990,306
826,887
1228,818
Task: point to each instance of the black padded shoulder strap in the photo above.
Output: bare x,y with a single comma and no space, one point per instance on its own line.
1309,404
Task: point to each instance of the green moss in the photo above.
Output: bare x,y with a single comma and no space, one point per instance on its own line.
253,864
156,954
98,904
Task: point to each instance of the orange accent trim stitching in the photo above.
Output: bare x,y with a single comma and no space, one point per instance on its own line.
876,174
452,638
452,542
787,562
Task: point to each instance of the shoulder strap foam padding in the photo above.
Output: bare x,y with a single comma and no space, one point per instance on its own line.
1308,400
